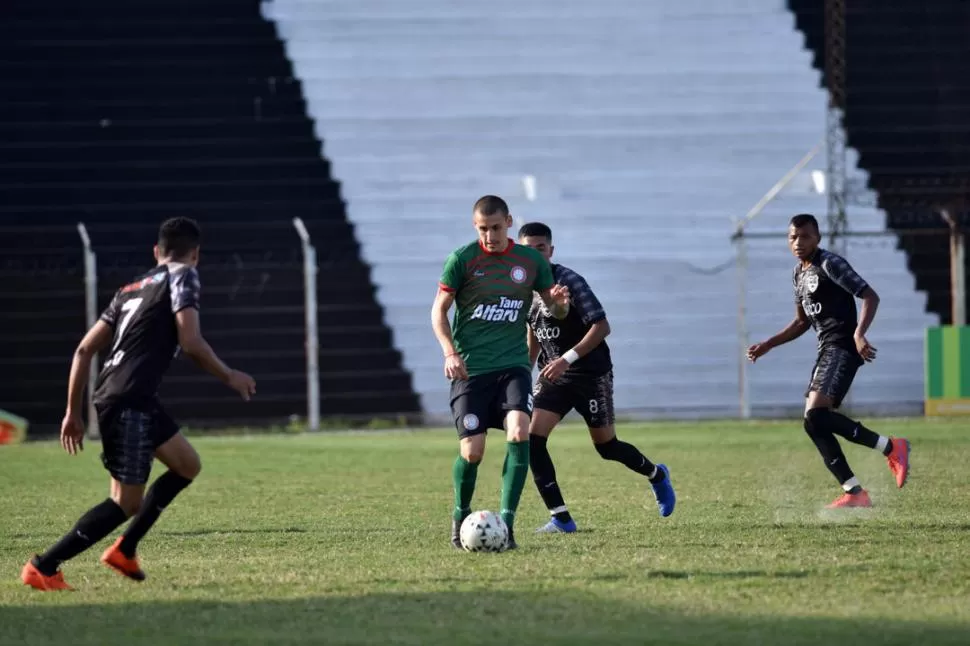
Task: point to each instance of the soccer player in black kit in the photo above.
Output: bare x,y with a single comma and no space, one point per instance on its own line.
576,372
143,328
826,287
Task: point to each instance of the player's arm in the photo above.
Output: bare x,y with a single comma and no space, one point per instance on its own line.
452,277
97,339
595,335
534,347
454,364
185,288
843,275
443,301
556,299
790,332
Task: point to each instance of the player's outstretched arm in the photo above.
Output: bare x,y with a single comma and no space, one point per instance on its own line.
72,428
198,349
556,299
454,365
792,331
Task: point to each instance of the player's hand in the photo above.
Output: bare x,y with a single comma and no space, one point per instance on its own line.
242,383
555,369
757,350
560,295
455,367
866,351
72,433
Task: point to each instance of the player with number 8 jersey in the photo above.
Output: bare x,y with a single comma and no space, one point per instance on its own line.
147,322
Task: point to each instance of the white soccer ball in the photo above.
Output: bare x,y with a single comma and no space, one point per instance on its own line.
484,531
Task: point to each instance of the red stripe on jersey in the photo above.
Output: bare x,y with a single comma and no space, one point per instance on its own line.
445,288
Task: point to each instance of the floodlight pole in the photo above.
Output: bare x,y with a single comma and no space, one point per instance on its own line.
91,315
312,341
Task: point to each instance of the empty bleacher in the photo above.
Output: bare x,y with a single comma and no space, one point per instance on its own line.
908,115
649,126
122,114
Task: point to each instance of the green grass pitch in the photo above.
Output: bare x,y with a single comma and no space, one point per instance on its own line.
343,539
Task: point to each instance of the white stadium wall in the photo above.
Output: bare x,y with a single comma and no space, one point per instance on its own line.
648,125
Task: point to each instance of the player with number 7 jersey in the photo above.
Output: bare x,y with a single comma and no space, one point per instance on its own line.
147,322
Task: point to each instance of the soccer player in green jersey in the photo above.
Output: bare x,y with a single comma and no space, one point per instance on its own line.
491,281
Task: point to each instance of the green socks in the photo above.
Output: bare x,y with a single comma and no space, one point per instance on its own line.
514,473
464,474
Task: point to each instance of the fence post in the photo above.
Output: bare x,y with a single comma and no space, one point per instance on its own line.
312,342
958,268
91,315
744,394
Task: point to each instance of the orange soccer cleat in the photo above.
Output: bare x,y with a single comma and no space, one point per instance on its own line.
860,499
898,460
121,564
36,579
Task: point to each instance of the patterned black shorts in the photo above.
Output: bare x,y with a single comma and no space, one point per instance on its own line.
591,396
129,438
834,371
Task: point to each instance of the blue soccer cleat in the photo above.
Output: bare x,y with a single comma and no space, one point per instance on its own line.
664,492
557,527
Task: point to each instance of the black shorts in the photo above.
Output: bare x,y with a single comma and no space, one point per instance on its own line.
481,402
590,395
129,438
834,371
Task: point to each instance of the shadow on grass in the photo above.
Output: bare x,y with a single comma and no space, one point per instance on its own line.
467,618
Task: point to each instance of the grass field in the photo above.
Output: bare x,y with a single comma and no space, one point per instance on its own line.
343,539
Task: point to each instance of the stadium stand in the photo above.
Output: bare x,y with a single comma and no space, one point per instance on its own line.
121,114
908,115
648,126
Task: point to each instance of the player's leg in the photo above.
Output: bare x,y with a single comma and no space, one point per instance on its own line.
595,404
184,466
515,398
818,406
469,405
836,383
175,452
551,405
127,457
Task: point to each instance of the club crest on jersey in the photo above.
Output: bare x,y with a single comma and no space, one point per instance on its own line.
811,282
518,274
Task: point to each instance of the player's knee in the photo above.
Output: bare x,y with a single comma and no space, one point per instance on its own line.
817,419
130,502
192,467
472,451
607,450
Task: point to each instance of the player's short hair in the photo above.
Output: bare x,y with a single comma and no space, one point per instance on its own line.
531,229
178,237
491,205
804,219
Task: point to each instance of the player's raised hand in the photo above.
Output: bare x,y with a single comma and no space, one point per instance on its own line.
72,433
455,367
560,294
866,351
757,350
243,384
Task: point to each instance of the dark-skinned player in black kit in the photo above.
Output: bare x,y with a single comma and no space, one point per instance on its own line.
576,372
148,322
825,288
